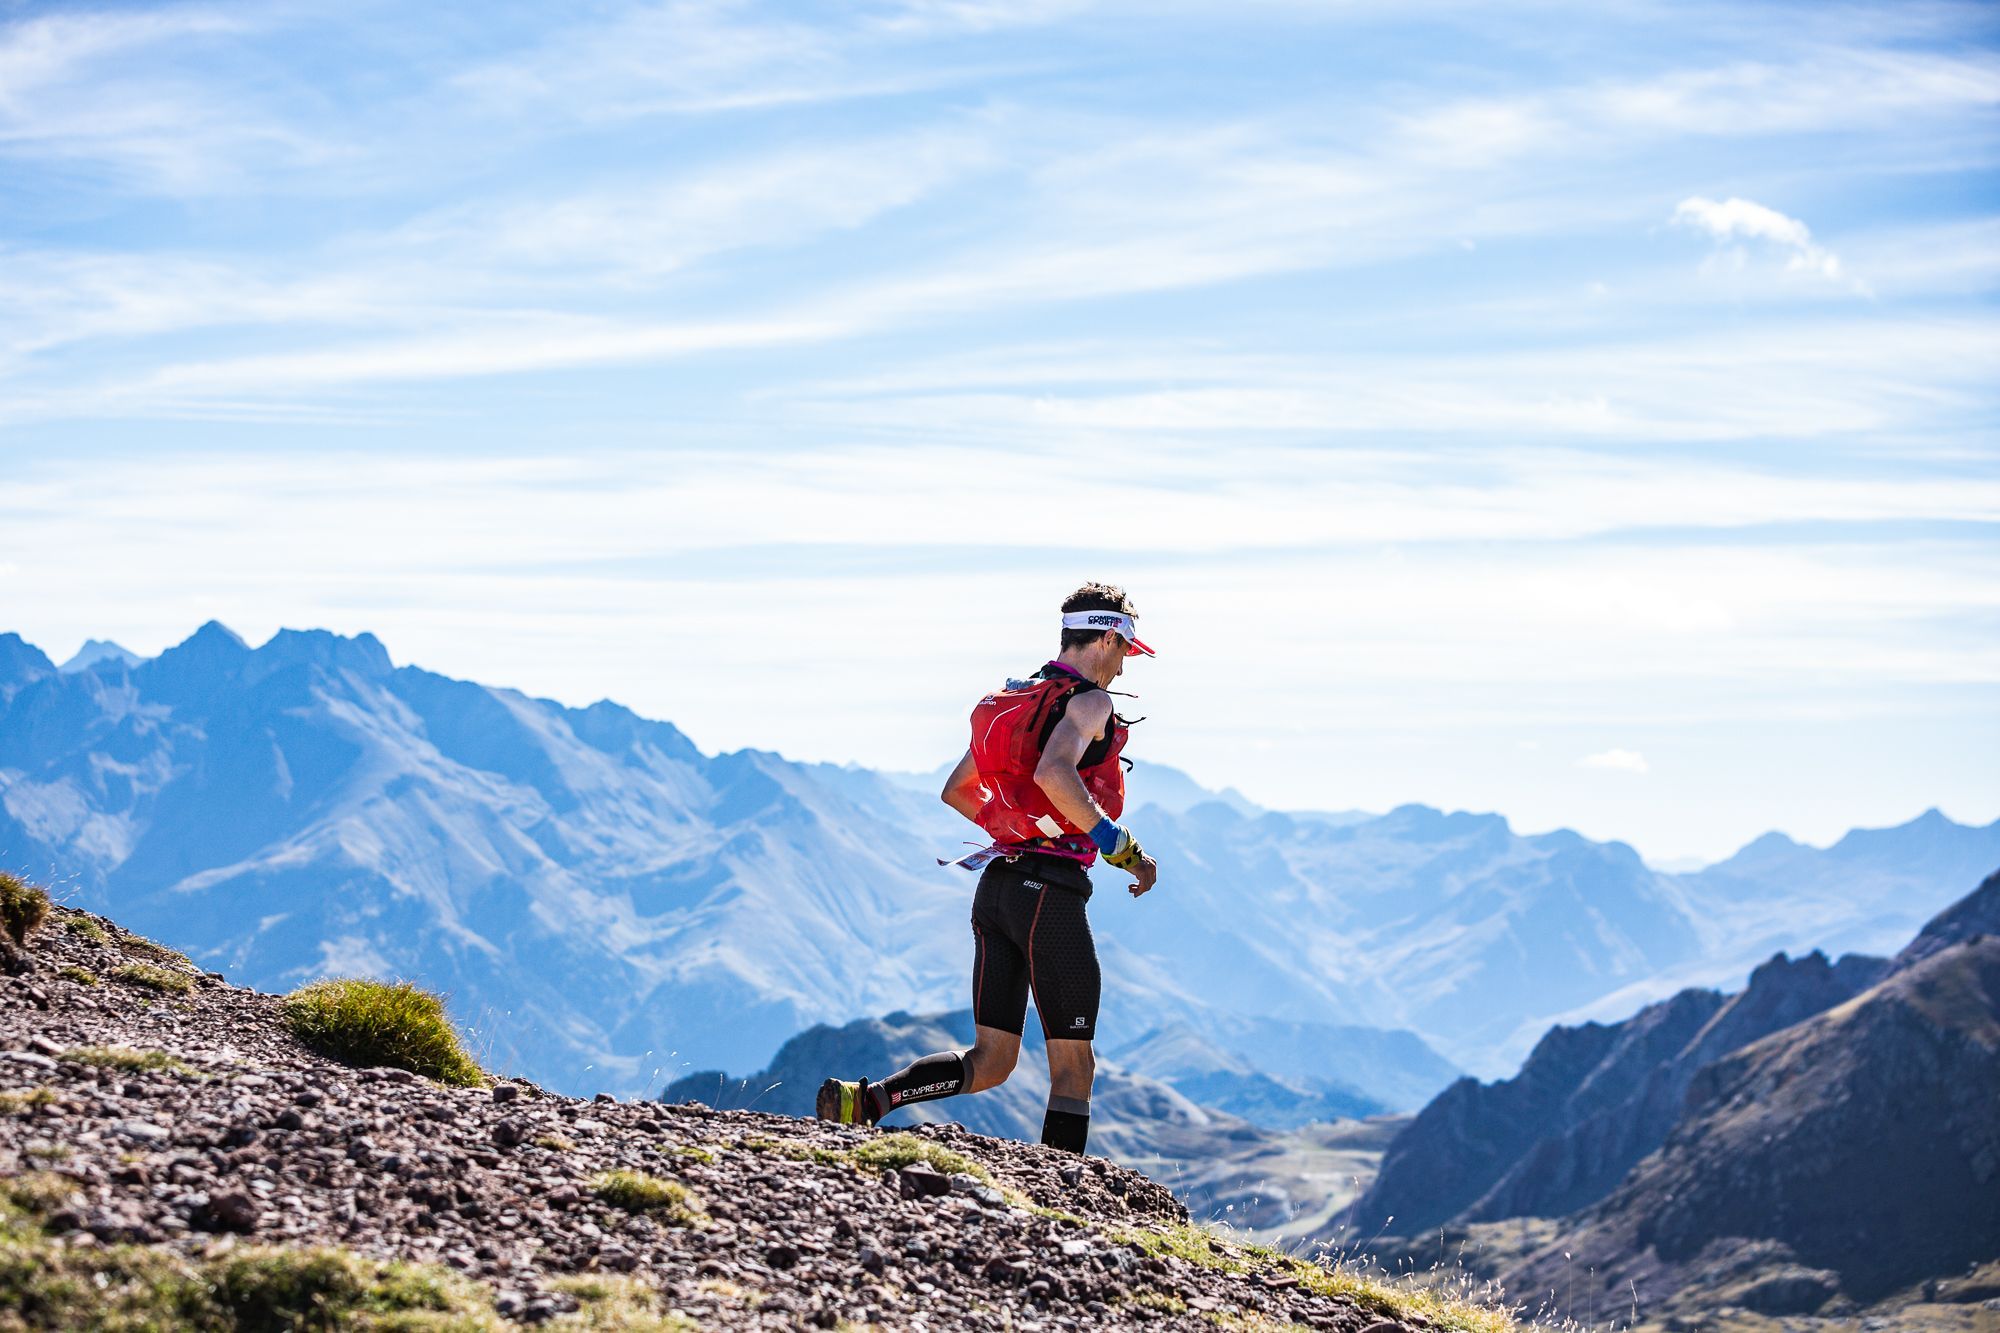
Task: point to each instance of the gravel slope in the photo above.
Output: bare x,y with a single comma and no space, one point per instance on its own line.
248,1138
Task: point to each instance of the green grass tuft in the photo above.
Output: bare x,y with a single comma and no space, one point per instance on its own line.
127,1058
71,972
555,1143
84,928
154,978
23,907
38,1191
892,1152
637,1192
360,1022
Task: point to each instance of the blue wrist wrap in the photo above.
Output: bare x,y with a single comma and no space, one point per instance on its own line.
1105,835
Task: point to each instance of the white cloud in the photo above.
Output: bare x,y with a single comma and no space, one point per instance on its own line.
1617,761
1740,218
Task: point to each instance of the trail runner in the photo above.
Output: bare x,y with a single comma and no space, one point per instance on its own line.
1045,780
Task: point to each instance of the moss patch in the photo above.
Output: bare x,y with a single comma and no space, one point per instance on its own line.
71,972
23,907
366,1023
127,1058
637,1192
154,978
555,1143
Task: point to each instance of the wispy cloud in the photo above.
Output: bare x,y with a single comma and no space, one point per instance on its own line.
1735,219
1616,761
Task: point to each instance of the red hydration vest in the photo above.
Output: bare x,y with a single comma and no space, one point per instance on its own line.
1009,730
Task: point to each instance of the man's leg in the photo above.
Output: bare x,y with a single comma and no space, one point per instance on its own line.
1072,1066
1067,983
999,1010
949,1073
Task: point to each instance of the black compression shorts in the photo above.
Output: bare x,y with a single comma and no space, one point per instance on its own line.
1030,933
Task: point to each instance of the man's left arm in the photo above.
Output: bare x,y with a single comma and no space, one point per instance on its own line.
963,791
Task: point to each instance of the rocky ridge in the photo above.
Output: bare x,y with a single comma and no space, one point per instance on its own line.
153,1112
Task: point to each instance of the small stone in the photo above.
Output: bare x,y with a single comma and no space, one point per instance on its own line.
604,1097
32,1060
872,1259
234,1211
309,1098
43,1046
511,1132
290,1119
505,1092
142,1131
781,1256
1071,1176
922,1180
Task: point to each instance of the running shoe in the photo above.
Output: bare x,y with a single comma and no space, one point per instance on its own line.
844,1103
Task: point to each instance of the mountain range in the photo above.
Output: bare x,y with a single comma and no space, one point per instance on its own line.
1825,1142
608,907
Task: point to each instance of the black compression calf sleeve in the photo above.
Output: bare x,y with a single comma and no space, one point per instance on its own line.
945,1074
1067,1124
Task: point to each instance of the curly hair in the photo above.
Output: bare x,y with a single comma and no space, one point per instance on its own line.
1094,597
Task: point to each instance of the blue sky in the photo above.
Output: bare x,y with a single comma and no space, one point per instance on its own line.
1578,411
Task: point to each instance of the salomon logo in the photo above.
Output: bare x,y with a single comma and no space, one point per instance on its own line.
1081,1023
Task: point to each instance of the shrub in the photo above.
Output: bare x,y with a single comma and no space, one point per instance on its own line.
637,1192
23,907
360,1022
154,978
328,1288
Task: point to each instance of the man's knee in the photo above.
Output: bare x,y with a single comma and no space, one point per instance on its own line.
993,1060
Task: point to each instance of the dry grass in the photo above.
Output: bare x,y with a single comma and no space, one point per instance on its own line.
21,1101
128,1058
367,1023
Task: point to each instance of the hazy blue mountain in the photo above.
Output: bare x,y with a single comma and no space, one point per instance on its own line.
96,651
1132,1117
609,907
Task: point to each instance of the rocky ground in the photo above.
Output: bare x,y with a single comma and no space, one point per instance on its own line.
151,1112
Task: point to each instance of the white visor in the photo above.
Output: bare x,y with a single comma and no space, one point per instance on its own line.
1116,621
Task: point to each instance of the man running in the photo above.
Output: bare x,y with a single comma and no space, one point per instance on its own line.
1043,778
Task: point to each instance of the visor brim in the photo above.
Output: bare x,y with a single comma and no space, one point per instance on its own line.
1134,648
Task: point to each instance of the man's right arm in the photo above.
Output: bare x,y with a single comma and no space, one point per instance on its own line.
962,790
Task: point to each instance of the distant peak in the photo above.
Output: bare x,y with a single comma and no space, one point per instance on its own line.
21,661
95,651
215,632
363,653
